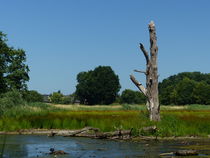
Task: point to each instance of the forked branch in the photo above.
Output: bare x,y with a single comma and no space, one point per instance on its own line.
144,52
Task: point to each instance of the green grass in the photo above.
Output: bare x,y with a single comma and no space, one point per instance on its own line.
192,120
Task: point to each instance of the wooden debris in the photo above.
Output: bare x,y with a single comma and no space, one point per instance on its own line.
186,153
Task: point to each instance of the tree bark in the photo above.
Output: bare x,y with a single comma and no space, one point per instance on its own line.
151,90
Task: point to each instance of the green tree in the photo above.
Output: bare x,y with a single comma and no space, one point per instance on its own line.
13,70
184,91
4,58
201,93
99,86
17,70
170,89
132,97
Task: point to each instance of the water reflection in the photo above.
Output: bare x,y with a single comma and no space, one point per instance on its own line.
29,146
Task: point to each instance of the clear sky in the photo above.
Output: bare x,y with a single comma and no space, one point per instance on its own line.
64,37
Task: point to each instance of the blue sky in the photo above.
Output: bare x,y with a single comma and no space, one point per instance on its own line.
65,37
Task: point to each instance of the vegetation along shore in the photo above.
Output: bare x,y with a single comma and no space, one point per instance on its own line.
176,121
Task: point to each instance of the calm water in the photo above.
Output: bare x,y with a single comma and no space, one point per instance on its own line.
29,146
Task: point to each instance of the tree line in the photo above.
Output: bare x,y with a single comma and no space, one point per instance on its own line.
185,88
98,86
101,86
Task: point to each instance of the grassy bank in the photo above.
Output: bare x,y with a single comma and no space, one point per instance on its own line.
191,120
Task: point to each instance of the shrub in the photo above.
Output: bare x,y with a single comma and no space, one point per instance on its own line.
66,100
32,96
10,99
132,97
56,97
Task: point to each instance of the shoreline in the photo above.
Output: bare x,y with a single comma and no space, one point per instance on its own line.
85,132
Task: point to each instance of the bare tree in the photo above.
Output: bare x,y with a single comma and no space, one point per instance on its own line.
151,90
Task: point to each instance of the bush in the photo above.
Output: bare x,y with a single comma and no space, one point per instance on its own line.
14,96
56,97
9,100
67,100
32,96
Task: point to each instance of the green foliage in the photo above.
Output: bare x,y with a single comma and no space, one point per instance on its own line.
67,100
99,86
192,121
185,88
184,91
132,97
9,100
13,70
56,97
59,98
201,93
32,96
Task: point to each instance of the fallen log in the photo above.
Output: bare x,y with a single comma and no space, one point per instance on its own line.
85,131
119,134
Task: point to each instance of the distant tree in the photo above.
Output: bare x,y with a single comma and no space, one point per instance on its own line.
185,88
201,93
56,97
32,96
13,70
184,91
99,86
67,100
132,97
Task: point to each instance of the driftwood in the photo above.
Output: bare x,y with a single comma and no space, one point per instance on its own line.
119,134
85,132
96,133
186,153
82,132
149,129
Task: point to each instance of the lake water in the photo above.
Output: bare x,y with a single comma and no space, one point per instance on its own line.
31,146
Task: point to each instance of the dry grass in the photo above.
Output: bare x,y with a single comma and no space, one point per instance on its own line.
85,107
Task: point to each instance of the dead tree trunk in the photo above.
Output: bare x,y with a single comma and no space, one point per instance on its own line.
151,90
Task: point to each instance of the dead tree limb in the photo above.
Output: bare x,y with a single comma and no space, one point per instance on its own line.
139,85
144,72
146,55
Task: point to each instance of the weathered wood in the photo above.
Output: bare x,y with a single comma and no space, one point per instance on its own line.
138,85
77,132
151,90
140,71
146,55
186,153
119,134
149,129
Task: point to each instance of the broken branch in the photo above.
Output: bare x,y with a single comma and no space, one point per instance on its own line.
138,85
140,71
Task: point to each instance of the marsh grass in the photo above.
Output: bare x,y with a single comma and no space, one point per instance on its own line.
181,121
